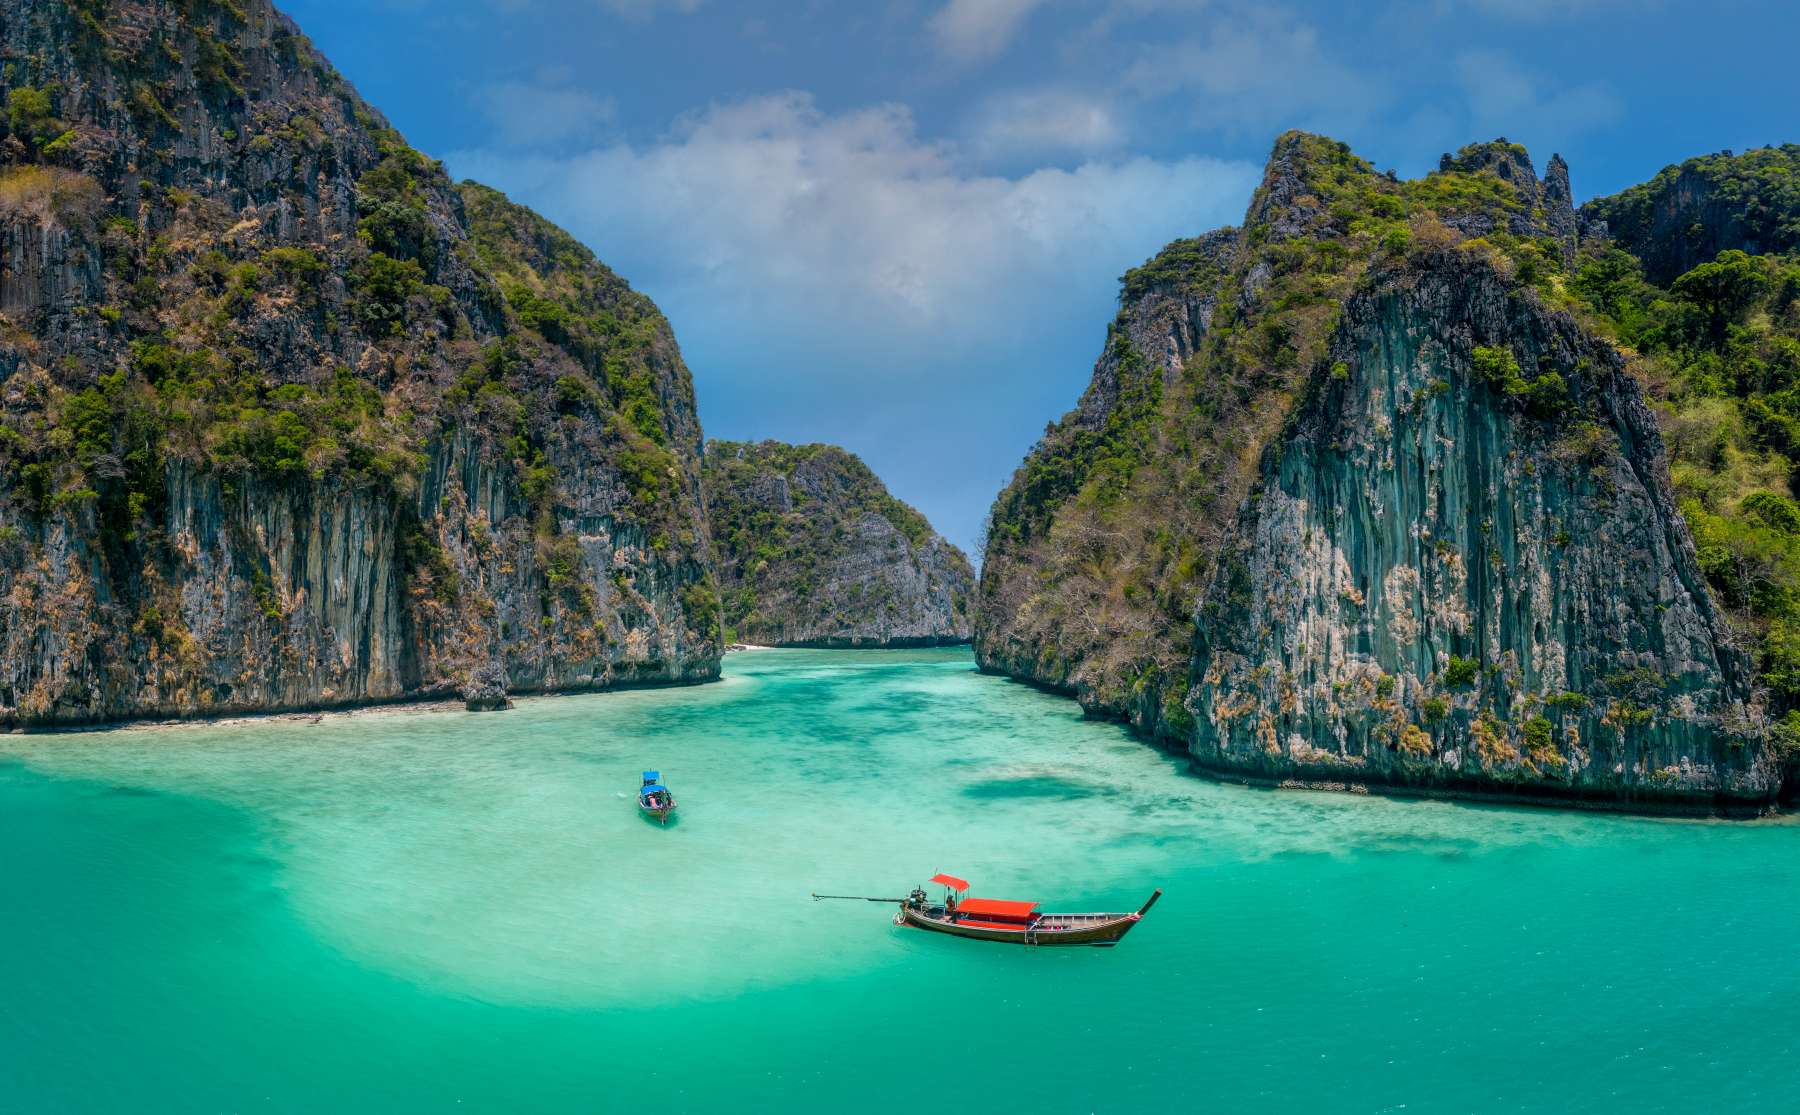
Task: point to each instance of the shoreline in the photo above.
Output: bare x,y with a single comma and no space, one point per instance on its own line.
426,702
833,644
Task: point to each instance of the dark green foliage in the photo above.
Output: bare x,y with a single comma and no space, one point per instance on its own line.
216,63
1183,265
392,202
383,288
1460,673
1786,737
199,403
149,110
1102,463
28,116
294,265
1720,351
1176,717
1778,513
700,604
556,289
1690,213
1724,290
1544,396
563,561
117,447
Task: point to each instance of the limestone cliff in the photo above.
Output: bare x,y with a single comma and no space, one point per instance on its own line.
1354,499
287,419
814,552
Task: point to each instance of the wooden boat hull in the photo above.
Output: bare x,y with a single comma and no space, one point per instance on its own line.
656,813
1097,930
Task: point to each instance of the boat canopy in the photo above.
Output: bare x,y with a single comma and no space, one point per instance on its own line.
652,776
951,881
996,907
653,788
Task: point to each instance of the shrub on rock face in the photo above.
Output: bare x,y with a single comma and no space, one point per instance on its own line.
1460,672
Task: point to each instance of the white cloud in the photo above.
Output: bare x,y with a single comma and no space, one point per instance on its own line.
788,213
1044,121
1504,97
1531,10
969,30
645,9
1257,69
836,277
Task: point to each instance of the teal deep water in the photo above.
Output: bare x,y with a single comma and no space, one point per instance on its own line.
436,911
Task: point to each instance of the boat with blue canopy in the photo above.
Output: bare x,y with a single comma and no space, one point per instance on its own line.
654,798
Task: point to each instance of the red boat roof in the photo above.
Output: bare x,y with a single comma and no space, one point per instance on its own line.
996,907
950,881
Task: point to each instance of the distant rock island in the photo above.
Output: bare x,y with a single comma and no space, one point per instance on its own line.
1437,486
814,552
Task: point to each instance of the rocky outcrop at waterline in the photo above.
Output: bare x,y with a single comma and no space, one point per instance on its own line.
814,552
1355,500
289,420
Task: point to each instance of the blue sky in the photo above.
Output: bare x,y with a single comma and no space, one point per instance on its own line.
899,226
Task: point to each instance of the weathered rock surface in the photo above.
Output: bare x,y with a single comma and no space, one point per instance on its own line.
485,690
1349,502
814,552
1415,516
288,420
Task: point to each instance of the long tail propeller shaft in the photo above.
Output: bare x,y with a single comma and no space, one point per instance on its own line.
856,898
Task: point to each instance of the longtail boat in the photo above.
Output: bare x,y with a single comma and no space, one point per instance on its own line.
1005,920
654,798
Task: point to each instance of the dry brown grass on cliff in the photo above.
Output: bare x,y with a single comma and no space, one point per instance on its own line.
49,195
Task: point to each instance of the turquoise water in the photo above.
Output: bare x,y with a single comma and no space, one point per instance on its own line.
434,911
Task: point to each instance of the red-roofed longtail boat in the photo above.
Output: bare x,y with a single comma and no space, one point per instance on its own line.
1006,920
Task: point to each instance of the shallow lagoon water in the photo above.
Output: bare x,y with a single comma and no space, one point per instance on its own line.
431,910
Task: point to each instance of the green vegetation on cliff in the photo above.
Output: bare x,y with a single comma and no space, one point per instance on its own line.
1719,351
1350,484
1109,529
1691,212
234,292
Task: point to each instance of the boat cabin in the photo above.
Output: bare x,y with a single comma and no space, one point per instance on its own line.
994,913
653,794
